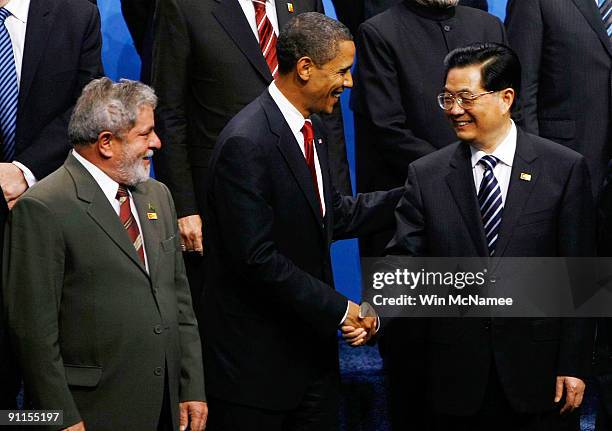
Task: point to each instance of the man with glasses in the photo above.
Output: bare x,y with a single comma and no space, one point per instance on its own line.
498,192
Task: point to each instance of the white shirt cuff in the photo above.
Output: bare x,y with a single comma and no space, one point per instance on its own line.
27,174
345,314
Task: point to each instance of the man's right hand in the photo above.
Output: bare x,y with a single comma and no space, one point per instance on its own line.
190,228
77,427
356,331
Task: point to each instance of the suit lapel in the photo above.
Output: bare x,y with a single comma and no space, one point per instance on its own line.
100,210
323,157
150,230
37,29
525,161
231,17
589,9
460,180
283,15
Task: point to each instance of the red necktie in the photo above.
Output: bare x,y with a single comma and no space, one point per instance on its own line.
308,133
128,221
267,37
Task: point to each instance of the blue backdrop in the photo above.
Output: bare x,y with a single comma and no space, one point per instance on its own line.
121,61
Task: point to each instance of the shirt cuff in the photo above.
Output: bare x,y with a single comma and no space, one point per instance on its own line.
345,313
27,174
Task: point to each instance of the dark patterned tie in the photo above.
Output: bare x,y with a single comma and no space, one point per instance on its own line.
128,221
267,37
9,91
308,132
490,200
605,8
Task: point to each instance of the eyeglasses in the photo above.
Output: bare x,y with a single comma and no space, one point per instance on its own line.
464,99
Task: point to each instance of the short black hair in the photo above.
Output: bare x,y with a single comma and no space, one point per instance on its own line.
309,34
501,67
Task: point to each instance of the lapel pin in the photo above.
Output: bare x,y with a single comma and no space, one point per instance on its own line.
290,7
151,214
320,141
525,177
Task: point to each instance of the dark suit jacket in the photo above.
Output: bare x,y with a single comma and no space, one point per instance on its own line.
551,215
207,67
93,329
138,15
567,66
269,312
400,71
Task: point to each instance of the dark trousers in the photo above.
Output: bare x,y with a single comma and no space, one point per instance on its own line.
603,421
497,414
165,415
318,411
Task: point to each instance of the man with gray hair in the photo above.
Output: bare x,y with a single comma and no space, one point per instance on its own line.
270,314
95,290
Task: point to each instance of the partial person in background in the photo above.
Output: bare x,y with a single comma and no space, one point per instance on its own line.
49,50
138,15
211,59
400,70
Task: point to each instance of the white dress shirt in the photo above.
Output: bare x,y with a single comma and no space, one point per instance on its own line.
109,188
502,171
249,12
16,24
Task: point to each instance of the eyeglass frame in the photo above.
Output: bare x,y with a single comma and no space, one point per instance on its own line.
457,98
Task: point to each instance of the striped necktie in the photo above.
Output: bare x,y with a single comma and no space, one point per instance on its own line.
490,200
9,91
605,8
128,221
267,37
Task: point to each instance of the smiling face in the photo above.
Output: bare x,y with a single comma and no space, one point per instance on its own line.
328,81
132,165
486,123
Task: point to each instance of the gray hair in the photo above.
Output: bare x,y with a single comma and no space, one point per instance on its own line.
439,3
309,34
107,106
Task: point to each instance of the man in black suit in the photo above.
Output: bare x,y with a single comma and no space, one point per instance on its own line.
567,64
269,311
498,192
56,51
207,66
138,15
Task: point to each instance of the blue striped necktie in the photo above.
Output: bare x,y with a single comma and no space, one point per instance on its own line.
605,8
9,91
490,200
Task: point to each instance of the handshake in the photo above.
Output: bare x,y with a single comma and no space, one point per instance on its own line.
360,325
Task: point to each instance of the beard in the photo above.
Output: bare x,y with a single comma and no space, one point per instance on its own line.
438,3
131,168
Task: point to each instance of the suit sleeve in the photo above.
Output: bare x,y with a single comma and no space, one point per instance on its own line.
577,238
246,225
377,99
170,78
49,148
525,28
33,272
192,372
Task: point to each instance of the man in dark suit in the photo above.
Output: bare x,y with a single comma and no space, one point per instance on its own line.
498,192
269,311
566,53
107,333
56,48
138,15
208,64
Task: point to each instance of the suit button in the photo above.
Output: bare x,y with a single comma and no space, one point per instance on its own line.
158,371
158,329
447,28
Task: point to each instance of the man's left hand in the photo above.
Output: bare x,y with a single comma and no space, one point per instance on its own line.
194,414
13,182
574,391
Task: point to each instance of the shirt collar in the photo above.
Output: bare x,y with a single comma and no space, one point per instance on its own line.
293,117
504,152
106,183
19,9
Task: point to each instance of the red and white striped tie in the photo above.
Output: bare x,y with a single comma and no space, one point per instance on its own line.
267,37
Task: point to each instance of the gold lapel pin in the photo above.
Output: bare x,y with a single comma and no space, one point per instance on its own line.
525,176
151,214
290,7
320,141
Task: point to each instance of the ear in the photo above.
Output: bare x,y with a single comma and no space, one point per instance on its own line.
507,98
105,144
304,68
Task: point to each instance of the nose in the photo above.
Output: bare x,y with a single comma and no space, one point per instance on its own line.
348,80
456,109
154,141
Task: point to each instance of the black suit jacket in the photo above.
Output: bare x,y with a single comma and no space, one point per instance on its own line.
400,71
138,15
567,66
207,66
551,215
269,312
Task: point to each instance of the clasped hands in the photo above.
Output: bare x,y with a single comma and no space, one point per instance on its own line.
357,330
